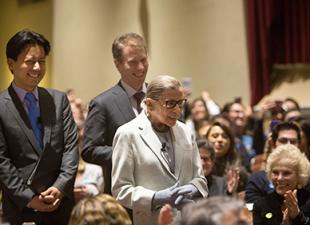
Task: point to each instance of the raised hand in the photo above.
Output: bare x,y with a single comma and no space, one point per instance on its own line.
232,180
291,203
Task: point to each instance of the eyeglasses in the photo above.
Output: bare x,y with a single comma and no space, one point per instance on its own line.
171,104
284,140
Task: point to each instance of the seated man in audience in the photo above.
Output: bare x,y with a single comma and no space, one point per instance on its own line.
246,145
217,185
259,185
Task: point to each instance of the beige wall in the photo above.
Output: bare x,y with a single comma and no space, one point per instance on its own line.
82,42
14,17
202,39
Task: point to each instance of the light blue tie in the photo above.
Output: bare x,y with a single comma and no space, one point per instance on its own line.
34,116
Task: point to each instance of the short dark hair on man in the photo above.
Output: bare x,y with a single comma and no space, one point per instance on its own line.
24,38
203,143
127,39
284,126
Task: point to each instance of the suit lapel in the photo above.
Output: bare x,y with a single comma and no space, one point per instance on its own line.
152,141
17,109
122,101
47,109
179,149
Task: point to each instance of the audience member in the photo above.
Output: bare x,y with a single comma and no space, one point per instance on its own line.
199,118
161,163
223,141
38,139
235,113
89,178
118,105
259,185
289,203
217,185
212,107
217,210
102,209
290,104
305,137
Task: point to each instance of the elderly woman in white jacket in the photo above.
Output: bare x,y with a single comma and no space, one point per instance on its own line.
155,158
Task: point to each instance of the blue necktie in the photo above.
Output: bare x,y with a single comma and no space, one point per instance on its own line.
34,114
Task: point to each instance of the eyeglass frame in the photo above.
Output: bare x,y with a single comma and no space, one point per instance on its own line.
180,103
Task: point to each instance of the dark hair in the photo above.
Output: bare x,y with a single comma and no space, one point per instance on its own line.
22,39
284,126
289,99
128,39
204,144
226,108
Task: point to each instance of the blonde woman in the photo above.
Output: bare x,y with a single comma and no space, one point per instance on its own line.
289,204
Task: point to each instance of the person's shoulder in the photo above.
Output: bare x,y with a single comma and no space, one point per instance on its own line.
3,93
134,125
51,91
107,95
260,175
219,179
49,94
182,125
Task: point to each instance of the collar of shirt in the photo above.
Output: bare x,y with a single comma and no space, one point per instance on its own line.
21,92
130,91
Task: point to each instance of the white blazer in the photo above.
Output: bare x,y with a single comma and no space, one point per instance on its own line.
139,168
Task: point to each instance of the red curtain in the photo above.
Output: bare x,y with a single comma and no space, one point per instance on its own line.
278,33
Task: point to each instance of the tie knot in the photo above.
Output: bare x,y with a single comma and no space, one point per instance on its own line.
30,97
139,96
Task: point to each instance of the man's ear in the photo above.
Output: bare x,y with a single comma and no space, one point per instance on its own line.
10,63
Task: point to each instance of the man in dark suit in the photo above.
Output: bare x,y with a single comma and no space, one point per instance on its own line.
118,105
38,139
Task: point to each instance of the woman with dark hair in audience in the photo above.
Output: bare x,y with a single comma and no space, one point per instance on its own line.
223,143
226,157
289,204
199,117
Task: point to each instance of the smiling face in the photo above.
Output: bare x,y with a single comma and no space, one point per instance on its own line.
284,177
133,66
237,116
220,141
160,114
29,68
